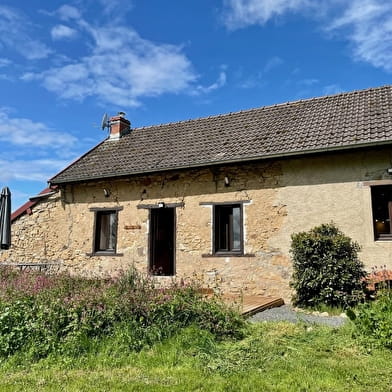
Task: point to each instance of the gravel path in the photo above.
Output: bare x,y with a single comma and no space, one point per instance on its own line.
286,313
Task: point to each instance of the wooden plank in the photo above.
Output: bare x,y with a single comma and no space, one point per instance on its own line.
259,307
250,305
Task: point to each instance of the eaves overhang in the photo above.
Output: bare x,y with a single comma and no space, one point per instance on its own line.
267,156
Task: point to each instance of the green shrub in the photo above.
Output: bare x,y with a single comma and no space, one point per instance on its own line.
16,325
44,314
326,268
373,320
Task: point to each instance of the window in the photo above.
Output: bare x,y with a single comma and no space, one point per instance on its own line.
382,211
228,234
105,231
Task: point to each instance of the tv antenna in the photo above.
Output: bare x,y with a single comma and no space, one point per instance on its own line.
105,123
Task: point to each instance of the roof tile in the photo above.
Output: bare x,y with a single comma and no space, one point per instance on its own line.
346,120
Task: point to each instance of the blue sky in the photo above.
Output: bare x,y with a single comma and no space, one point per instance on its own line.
64,64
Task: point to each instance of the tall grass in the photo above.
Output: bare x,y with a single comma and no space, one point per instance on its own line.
45,314
373,320
272,357
124,334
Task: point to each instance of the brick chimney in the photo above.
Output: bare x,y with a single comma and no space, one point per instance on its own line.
119,126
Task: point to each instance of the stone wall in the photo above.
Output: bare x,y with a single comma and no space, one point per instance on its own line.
39,235
280,198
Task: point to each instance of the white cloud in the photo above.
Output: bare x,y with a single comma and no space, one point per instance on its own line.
29,170
272,63
219,83
259,79
367,24
242,13
307,82
18,197
4,62
67,12
120,68
34,153
6,77
20,194
14,33
25,132
62,32
116,8
332,89
252,81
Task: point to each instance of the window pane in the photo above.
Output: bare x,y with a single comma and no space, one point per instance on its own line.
228,231
381,205
105,231
236,228
221,229
112,232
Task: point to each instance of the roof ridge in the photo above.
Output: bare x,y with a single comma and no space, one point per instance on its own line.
263,107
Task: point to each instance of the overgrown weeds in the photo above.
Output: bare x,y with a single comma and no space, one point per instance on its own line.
44,314
373,321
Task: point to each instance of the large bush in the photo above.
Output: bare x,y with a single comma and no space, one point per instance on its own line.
327,270
42,314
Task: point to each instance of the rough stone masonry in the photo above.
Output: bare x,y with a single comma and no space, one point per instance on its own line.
279,197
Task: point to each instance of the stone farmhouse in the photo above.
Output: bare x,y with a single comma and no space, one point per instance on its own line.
220,196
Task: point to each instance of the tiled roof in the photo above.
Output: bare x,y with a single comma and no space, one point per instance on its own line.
26,208
347,120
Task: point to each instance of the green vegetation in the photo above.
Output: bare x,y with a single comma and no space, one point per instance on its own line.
373,321
272,357
326,268
59,333
45,314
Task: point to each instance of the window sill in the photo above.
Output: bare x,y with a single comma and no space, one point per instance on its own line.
103,253
228,255
384,237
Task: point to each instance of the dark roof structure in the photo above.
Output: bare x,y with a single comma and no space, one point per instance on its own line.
26,208
343,121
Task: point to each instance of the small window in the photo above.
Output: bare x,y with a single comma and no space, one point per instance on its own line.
105,236
382,211
228,229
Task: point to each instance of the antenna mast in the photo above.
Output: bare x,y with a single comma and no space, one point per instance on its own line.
105,123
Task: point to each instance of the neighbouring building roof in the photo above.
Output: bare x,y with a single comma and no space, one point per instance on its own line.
26,208
342,121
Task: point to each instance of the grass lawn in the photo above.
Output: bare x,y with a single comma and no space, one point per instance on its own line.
273,357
